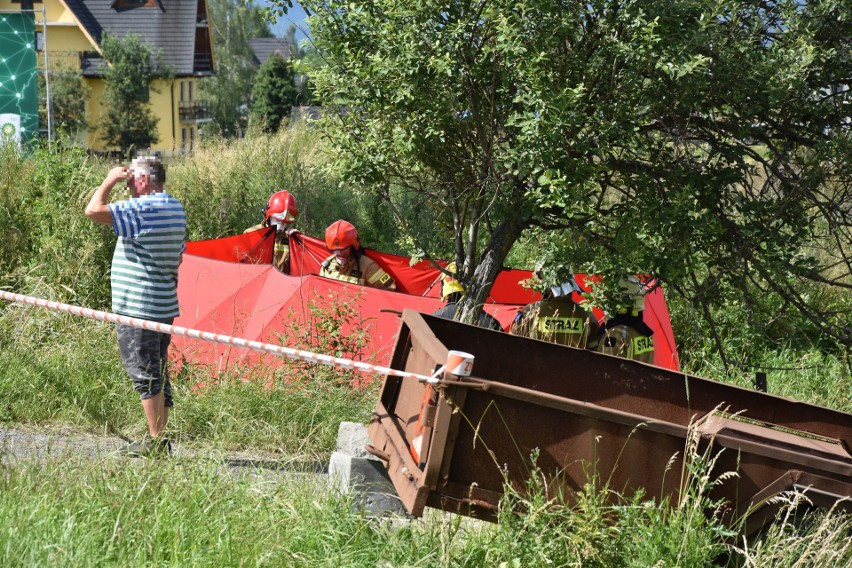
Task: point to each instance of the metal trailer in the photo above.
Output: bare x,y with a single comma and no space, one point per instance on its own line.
447,445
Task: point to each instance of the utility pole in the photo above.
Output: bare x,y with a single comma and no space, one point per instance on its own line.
46,72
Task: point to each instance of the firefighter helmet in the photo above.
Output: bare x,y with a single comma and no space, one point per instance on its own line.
281,208
340,235
566,288
450,285
633,291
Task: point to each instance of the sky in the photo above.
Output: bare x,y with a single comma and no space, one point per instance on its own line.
295,15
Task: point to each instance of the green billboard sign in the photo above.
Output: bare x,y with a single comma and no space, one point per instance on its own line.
18,79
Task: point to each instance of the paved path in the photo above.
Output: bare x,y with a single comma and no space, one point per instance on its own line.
21,445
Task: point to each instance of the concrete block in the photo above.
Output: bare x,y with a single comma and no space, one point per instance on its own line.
351,439
368,481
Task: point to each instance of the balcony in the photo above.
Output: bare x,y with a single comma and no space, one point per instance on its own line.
202,64
60,60
192,112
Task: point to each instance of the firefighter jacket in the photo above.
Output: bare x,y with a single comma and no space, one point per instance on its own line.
359,270
627,335
558,320
281,249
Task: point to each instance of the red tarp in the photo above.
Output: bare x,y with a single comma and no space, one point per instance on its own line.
229,286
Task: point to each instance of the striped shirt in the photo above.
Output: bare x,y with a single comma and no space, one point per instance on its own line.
151,233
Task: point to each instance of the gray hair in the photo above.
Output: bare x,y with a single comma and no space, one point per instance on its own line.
151,166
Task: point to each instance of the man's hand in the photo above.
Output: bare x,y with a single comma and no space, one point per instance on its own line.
98,209
118,173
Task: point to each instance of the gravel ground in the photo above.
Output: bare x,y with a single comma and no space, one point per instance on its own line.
22,445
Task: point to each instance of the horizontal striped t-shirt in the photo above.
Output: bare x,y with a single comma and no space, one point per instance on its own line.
151,233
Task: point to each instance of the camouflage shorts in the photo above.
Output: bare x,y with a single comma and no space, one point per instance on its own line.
145,357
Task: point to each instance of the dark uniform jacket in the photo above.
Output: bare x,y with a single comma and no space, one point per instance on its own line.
628,336
559,320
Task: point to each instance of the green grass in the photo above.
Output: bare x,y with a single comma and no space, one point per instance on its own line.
176,513
822,538
58,370
812,376
115,511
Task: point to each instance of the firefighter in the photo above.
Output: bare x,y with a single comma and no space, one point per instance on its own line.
348,261
452,292
626,334
281,212
558,318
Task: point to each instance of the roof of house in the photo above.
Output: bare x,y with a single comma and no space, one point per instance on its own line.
263,47
167,26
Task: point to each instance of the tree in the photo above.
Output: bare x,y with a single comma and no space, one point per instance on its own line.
68,96
274,93
228,93
297,50
304,59
128,122
706,142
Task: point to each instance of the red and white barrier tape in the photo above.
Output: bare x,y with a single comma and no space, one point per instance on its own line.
298,354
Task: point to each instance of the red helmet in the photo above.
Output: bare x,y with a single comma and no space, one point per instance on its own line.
340,235
281,207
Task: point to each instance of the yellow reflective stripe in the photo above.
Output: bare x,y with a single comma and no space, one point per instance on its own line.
345,278
342,277
552,324
381,276
642,344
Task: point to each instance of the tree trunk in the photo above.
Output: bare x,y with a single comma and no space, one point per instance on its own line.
503,237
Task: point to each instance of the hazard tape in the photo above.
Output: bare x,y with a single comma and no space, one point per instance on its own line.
290,353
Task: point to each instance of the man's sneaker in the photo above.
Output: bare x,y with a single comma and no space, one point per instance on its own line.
150,447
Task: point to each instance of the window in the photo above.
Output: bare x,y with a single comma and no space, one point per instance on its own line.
191,137
191,84
39,41
181,91
183,137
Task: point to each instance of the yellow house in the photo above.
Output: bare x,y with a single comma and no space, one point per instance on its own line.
176,29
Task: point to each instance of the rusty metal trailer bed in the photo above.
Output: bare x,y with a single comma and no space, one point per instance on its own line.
447,445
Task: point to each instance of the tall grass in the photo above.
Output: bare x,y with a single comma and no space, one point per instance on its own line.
59,369
114,512
121,514
225,184
817,376
176,513
816,538
49,245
